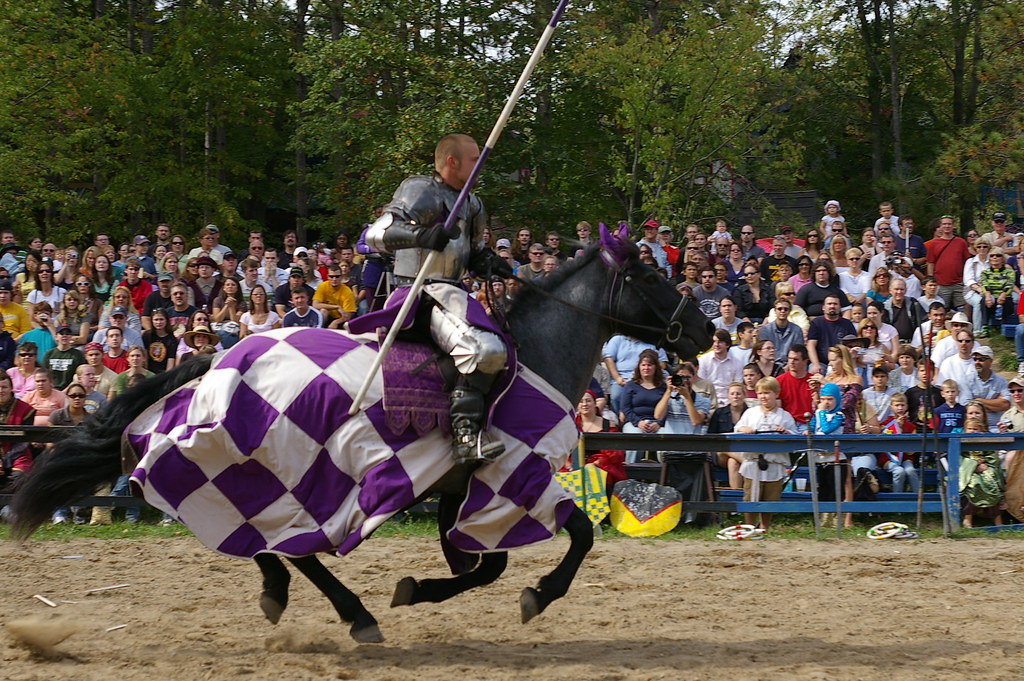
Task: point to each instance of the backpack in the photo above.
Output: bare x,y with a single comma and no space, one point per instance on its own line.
865,485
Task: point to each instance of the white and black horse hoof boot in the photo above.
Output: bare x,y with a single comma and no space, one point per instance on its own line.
468,442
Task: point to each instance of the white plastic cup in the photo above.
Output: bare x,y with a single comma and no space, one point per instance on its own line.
801,484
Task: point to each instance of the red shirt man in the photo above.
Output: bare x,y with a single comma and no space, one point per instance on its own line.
947,254
796,389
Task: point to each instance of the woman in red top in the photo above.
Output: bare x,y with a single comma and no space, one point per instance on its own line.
589,420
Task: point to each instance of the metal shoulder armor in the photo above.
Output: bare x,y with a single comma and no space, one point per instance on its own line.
416,203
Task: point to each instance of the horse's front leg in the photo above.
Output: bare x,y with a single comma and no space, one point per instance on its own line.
274,598
532,602
364,627
409,591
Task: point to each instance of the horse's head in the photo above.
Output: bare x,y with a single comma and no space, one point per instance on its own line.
646,306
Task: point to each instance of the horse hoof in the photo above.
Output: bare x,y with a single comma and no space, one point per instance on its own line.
369,634
529,604
404,592
271,608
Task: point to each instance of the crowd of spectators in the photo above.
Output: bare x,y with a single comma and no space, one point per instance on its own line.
894,320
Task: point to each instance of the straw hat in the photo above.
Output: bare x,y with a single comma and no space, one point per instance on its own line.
190,336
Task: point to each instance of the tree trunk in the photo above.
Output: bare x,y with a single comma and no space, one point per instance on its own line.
895,97
301,91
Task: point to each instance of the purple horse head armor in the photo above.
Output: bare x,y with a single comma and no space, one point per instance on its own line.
615,246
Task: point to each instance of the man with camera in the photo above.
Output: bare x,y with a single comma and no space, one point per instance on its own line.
888,258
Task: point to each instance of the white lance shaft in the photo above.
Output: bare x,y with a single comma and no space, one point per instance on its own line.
428,262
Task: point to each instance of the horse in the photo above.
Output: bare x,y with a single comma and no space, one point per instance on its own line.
559,324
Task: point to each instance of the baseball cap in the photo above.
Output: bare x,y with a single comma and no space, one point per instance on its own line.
140,239
89,347
206,260
165,276
64,328
999,216
1016,381
212,229
664,228
5,285
784,229
301,250
503,243
296,272
118,310
984,351
651,223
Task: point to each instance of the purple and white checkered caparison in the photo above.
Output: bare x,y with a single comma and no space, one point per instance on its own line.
260,455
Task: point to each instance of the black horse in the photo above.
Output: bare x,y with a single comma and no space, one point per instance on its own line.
560,326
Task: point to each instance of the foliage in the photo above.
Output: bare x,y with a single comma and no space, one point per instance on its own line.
118,114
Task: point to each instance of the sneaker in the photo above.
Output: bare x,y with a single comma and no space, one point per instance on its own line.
982,334
166,522
1020,368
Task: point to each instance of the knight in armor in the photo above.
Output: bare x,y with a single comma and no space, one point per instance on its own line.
411,225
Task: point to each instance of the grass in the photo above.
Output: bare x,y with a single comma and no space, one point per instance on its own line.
784,526
1005,352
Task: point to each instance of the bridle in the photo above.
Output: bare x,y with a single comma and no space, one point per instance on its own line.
671,330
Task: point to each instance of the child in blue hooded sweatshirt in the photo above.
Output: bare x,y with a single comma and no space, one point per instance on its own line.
828,421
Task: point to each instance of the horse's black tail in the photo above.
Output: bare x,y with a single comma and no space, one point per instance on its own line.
77,465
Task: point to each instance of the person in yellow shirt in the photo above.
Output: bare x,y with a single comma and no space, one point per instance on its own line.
334,299
16,320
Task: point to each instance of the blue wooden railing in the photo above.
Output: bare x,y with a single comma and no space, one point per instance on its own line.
949,448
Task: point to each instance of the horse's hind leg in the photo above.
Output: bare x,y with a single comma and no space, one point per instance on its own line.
364,627
274,598
409,591
532,602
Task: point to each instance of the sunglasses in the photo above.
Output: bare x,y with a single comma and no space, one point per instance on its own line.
76,396
26,354
747,233
1017,390
177,243
965,341
334,276
45,271
81,283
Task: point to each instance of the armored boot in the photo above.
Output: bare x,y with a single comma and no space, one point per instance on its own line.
469,443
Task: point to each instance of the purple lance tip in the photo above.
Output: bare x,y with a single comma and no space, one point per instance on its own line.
557,16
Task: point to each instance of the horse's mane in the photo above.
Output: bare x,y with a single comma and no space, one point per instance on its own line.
537,288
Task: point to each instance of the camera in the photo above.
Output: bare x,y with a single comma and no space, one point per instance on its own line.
897,259
676,380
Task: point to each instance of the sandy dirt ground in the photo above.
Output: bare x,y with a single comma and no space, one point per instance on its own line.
925,610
